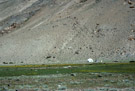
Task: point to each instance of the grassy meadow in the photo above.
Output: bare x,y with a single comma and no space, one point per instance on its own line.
29,70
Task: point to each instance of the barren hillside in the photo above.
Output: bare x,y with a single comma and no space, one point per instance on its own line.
66,31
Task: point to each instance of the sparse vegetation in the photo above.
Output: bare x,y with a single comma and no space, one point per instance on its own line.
68,76
82,1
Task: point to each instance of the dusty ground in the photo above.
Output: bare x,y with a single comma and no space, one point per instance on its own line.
66,31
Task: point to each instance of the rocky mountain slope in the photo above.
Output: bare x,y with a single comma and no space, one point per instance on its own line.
66,31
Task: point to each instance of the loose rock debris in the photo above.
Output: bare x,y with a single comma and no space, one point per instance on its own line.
131,38
86,28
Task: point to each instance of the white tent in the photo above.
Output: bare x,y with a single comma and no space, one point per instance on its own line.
90,60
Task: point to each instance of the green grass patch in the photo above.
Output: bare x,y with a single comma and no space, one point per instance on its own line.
18,70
